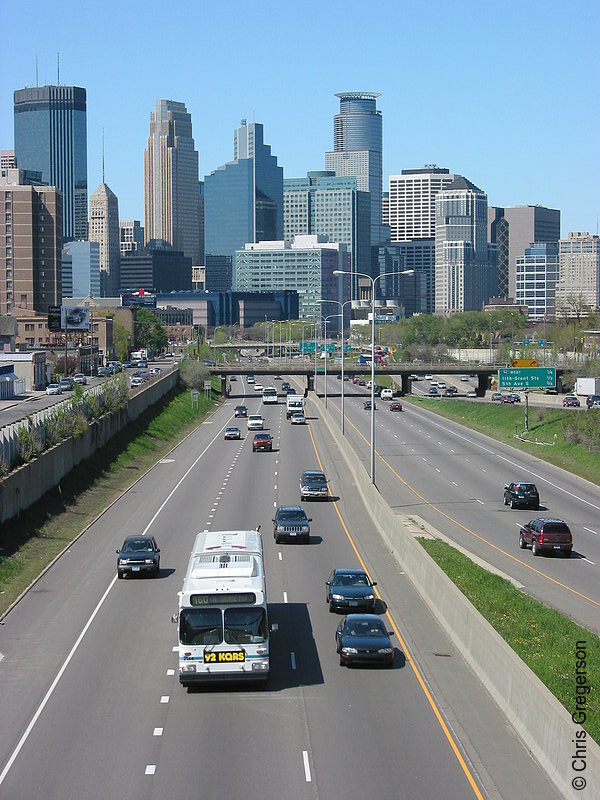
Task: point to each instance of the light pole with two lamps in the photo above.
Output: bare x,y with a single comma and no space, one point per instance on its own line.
341,305
373,281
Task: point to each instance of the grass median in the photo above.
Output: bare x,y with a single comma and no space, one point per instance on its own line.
545,639
28,544
545,438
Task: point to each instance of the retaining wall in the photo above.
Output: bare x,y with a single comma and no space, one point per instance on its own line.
543,724
27,484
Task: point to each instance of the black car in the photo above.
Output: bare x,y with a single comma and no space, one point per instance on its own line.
285,386
350,588
138,554
291,524
240,411
363,639
290,390
367,405
591,399
521,495
313,485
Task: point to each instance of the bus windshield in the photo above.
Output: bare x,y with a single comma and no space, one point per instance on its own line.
201,626
245,626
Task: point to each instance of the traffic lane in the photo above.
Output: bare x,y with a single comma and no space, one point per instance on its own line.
40,631
571,588
490,747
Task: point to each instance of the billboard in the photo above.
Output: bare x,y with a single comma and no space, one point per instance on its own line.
75,318
54,318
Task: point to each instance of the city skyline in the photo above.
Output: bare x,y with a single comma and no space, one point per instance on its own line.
511,127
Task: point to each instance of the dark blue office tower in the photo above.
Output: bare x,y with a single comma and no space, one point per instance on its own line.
243,202
50,124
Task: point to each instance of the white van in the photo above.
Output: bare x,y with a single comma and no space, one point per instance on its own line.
387,394
294,403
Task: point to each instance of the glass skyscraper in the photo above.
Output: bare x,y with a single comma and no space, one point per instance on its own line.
358,149
50,128
171,197
243,203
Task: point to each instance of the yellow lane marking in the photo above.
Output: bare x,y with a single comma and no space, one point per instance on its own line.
473,533
406,649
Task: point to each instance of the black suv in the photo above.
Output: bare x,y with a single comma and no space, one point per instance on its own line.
240,411
291,525
138,554
521,495
546,535
591,399
313,484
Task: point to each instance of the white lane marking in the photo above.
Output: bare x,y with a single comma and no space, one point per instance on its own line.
515,464
275,473
455,484
293,660
590,530
275,487
54,683
208,422
164,698
483,470
150,769
423,459
589,562
180,481
166,461
437,470
285,597
175,648
480,501
171,672
158,732
1,656
413,449
306,765
280,556
451,450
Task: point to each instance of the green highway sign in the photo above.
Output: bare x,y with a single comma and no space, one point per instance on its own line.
526,378
307,347
347,348
330,347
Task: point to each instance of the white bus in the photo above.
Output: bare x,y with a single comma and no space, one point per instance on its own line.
222,620
269,395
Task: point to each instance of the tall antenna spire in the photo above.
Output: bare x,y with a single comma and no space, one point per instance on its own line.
102,155
36,72
58,69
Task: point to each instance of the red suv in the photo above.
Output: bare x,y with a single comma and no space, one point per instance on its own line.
262,441
546,535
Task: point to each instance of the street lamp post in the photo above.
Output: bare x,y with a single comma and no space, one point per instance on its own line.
373,281
341,315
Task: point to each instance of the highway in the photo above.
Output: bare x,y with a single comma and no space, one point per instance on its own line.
453,478
92,706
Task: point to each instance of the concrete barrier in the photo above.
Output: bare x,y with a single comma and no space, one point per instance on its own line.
546,728
27,484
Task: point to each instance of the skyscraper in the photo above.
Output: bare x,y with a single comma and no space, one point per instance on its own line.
464,276
536,274
514,229
578,285
30,257
330,206
357,149
132,236
243,203
50,124
81,269
171,199
411,217
104,229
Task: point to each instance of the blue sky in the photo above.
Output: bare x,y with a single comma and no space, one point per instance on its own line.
505,94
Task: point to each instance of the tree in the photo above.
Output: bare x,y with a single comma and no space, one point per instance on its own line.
120,340
149,331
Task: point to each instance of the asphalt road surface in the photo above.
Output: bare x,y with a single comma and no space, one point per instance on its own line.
454,478
91,703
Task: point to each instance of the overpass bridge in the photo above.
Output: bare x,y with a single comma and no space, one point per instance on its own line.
306,368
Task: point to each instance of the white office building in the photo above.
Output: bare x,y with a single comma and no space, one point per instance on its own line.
536,275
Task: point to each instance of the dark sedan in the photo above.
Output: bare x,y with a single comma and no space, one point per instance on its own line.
571,401
395,406
363,639
138,554
313,485
521,495
367,405
291,524
349,589
240,411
